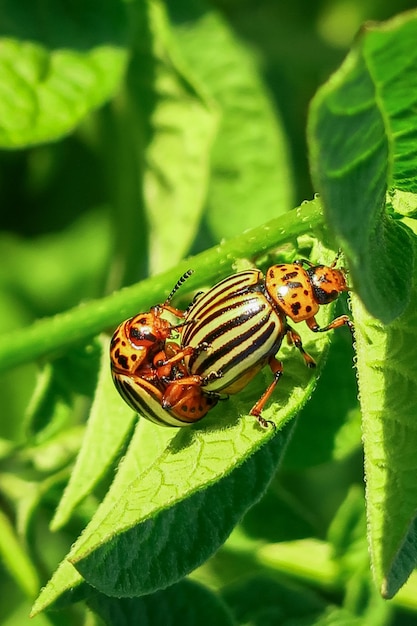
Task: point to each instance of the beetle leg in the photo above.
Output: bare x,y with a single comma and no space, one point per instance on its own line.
185,389
295,340
311,264
342,320
303,262
196,380
265,423
178,356
177,388
277,369
181,325
180,353
187,401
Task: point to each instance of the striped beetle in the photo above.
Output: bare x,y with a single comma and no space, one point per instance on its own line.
149,372
243,320
177,401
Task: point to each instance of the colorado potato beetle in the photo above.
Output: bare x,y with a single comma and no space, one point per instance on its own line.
243,320
137,341
149,372
178,401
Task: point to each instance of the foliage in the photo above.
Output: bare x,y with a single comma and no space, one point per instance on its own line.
136,134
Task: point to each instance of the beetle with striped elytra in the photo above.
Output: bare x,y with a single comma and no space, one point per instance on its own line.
179,400
243,319
232,331
145,363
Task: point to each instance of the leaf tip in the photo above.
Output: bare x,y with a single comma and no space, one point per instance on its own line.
386,589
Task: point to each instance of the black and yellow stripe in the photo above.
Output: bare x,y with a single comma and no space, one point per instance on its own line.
240,327
146,399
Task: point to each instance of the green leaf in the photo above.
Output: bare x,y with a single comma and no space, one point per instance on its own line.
54,401
181,124
15,392
335,616
76,371
362,132
388,388
108,426
260,600
147,444
16,559
404,203
161,550
27,496
331,420
347,532
57,451
7,448
279,516
184,535
186,603
16,385
307,559
56,65
65,587
48,408
249,185
65,267
407,595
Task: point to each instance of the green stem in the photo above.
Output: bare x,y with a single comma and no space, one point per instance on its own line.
52,335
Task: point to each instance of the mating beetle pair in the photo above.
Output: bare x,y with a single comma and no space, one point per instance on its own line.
227,335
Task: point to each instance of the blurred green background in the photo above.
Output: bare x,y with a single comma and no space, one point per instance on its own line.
66,237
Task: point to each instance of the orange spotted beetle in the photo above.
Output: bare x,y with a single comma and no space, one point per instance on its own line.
145,363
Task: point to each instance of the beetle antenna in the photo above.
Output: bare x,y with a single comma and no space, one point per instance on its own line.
337,257
178,284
